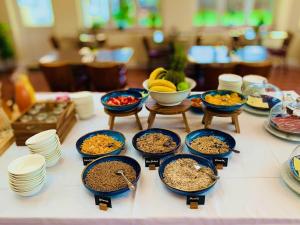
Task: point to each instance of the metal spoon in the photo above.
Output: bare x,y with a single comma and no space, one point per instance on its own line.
130,185
198,168
234,150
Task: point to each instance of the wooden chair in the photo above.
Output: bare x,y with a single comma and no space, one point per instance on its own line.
54,42
206,75
107,76
59,76
258,68
282,52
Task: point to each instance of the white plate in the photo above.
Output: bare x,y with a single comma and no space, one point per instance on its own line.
285,136
28,175
288,178
255,111
27,178
46,149
26,186
53,162
41,137
26,164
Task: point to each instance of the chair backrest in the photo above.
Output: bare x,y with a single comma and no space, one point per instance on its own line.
54,42
59,76
259,68
286,43
212,72
107,76
146,44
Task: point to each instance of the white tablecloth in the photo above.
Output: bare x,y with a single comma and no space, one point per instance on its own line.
250,190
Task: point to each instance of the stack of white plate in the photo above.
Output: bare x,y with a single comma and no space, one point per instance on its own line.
47,144
84,104
27,174
253,79
230,82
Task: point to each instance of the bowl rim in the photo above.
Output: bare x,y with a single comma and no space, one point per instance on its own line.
244,98
124,91
149,154
172,158
115,158
188,79
83,137
195,152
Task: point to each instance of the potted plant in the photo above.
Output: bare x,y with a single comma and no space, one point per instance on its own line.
6,49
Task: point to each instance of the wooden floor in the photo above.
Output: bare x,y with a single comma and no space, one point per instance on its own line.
286,80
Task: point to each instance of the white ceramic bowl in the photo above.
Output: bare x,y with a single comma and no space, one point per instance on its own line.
170,98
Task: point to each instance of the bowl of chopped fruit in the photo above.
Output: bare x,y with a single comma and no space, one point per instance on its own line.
196,103
122,101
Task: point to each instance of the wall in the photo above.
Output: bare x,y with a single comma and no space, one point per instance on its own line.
32,43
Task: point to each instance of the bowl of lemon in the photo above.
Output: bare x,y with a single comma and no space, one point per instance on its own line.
168,87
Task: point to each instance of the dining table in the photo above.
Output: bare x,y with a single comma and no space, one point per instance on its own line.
206,54
121,55
250,189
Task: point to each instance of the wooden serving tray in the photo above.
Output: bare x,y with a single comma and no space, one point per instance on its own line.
63,125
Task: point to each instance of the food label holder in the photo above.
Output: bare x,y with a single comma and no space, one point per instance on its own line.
195,200
220,162
104,202
152,162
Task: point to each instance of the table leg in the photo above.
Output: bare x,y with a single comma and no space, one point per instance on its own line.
232,120
151,119
138,121
111,122
203,118
237,125
187,128
207,121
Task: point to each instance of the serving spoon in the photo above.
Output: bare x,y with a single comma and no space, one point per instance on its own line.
130,185
199,167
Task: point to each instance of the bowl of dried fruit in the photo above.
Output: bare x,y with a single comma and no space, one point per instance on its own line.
100,143
156,142
196,103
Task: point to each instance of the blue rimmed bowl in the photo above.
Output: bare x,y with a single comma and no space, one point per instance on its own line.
114,134
200,160
293,170
125,159
142,91
194,108
222,108
121,108
222,136
175,137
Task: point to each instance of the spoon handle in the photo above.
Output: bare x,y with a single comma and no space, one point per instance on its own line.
234,150
130,185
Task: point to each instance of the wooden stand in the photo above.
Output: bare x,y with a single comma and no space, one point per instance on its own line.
113,115
155,108
6,141
209,114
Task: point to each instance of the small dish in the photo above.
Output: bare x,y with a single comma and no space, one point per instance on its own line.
228,139
125,159
200,160
121,108
223,108
196,109
175,137
114,134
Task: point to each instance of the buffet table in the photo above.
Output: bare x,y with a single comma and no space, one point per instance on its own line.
250,190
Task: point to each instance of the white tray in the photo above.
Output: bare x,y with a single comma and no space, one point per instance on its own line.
288,178
279,134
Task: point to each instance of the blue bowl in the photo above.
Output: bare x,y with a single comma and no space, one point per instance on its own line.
123,108
114,134
175,137
125,159
293,170
200,160
143,92
222,108
193,108
228,139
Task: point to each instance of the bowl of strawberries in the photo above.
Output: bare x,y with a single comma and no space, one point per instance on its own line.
121,101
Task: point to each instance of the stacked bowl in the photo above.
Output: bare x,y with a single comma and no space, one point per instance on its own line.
27,174
47,144
230,82
253,79
84,104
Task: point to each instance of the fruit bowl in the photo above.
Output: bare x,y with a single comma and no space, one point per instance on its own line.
170,98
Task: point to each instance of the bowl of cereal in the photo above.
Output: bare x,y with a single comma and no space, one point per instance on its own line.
187,174
156,142
101,177
210,143
223,100
100,143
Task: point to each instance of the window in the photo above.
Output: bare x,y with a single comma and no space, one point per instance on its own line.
95,13
233,12
121,13
36,13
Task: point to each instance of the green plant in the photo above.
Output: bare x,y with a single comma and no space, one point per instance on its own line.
124,16
6,49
